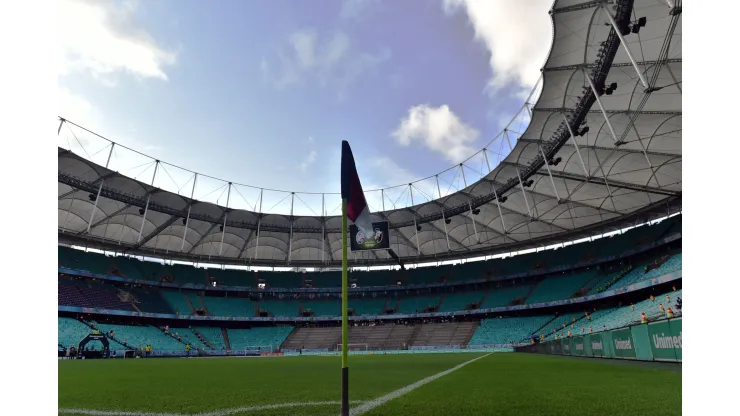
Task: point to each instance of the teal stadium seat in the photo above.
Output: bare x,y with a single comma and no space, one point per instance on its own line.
71,331
142,335
416,304
213,335
560,287
507,330
324,307
504,296
218,306
271,337
282,308
452,302
367,306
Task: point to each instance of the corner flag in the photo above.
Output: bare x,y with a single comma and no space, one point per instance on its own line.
357,208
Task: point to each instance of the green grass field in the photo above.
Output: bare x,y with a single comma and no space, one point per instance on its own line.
498,384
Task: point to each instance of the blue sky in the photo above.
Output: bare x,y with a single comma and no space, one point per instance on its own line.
262,92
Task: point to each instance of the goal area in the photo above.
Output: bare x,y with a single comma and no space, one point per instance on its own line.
353,347
249,349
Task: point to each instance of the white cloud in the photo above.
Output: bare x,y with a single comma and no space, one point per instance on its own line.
327,60
101,38
438,129
308,161
74,108
517,34
352,9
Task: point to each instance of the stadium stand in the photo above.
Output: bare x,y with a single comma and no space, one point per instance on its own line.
504,296
90,294
560,287
138,336
71,331
178,301
280,307
218,306
324,307
213,335
443,334
459,301
507,330
263,337
417,304
150,300
368,306
639,273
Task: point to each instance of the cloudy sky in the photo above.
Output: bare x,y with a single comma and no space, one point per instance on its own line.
262,92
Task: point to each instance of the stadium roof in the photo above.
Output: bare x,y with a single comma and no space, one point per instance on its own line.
618,171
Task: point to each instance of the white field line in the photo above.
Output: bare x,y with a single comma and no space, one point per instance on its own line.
372,404
223,412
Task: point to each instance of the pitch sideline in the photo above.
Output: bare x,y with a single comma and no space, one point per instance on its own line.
223,412
372,404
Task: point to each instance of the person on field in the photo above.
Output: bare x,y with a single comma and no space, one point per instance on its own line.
643,318
187,349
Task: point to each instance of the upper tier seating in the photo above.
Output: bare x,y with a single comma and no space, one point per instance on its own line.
178,301
367,305
504,296
560,287
324,307
638,274
459,301
285,308
150,300
528,263
218,306
90,295
417,304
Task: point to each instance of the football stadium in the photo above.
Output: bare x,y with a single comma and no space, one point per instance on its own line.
543,274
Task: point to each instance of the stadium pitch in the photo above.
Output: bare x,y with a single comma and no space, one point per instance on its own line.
422,384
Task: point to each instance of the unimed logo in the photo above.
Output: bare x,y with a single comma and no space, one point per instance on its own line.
663,341
596,345
579,347
623,344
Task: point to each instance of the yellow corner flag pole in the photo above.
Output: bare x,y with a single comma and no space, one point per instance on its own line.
345,307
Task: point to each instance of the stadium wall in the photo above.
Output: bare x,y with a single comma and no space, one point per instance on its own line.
654,341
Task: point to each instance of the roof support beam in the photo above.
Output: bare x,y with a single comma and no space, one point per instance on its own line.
627,112
200,240
617,65
576,7
246,243
616,184
156,231
511,211
107,217
606,149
